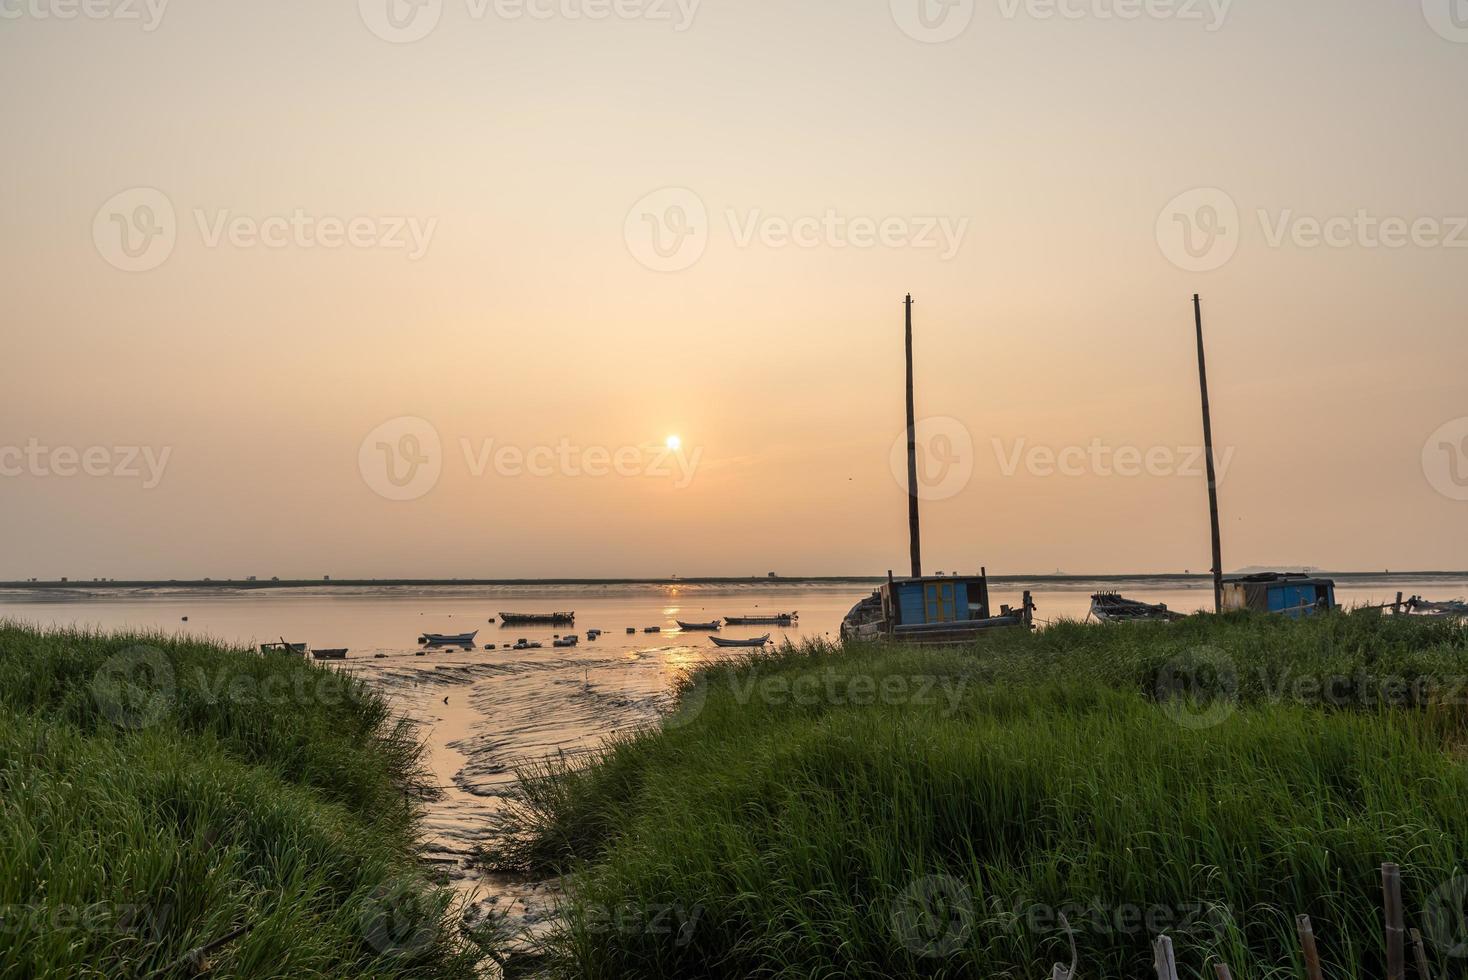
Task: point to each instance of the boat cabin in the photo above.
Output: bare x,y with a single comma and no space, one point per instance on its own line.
1288,593
933,608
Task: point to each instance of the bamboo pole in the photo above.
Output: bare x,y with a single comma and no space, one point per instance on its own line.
1307,943
912,478
1419,952
1208,452
1391,890
1163,960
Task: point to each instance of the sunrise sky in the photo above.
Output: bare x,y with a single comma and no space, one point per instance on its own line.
289,286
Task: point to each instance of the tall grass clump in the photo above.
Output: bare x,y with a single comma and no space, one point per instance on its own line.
889,811
172,808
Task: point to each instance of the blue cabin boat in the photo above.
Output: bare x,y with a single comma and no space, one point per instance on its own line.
1288,593
933,609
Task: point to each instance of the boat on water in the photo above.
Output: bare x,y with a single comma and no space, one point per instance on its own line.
689,627
724,641
448,639
933,609
331,653
537,619
778,619
1113,607
283,647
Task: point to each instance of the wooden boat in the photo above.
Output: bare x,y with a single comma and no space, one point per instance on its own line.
947,609
689,627
778,619
1451,609
1112,607
537,619
297,648
723,641
338,653
448,639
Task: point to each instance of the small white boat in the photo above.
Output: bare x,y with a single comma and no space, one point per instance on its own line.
1450,609
1112,607
757,641
448,639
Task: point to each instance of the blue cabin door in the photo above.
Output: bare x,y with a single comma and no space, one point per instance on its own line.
940,605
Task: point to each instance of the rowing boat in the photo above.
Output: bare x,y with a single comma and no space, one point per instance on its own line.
297,648
448,639
711,625
339,653
758,641
1112,607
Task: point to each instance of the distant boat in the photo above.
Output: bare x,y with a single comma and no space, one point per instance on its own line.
448,639
299,648
339,653
758,641
778,619
1112,607
711,625
537,619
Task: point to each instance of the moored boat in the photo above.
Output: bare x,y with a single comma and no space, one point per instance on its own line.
688,627
1112,607
283,647
336,653
448,639
1448,609
537,619
723,641
778,619
933,609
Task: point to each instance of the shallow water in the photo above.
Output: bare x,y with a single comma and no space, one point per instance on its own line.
484,711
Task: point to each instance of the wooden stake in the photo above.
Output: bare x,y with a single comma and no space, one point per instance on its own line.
912,479
1220,970
1419,951
1307,943
1391,892
1163,960
1208,452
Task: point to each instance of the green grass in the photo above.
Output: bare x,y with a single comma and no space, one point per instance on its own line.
825,813
157,795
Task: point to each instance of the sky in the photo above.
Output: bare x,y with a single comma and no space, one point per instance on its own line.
380,288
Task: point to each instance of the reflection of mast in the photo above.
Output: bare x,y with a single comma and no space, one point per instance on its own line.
1208,451
912,483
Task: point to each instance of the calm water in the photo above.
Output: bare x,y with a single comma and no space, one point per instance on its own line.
484,711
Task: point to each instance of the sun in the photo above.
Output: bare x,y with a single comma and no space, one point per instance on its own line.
674,443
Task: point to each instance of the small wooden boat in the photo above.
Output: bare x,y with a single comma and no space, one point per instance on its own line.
537,619
934,609
687,627
298,648
1450,609
758,641
338,653
448,639
1112,607
778,619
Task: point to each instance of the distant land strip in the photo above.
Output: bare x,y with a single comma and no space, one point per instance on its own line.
259,584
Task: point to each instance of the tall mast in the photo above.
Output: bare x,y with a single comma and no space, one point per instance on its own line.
912,478
1208,452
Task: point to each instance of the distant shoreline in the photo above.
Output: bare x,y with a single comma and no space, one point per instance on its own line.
260,585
